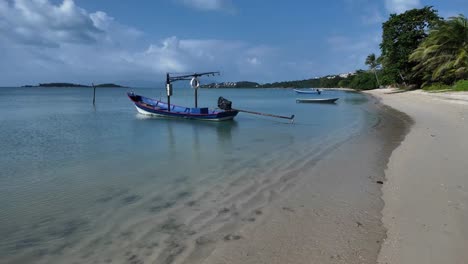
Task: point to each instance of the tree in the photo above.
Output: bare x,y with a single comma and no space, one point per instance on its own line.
363,80
345,83
373,64
402,34
443,55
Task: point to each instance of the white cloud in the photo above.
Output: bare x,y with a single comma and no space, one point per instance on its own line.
42,42
400,6
209,5
38,22
101,20
174,54
253,61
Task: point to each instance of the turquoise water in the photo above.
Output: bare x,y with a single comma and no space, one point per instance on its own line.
76,178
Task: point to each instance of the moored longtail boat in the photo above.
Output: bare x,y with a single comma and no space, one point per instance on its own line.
148,106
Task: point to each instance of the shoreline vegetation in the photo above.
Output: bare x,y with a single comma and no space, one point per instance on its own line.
104,85
419,49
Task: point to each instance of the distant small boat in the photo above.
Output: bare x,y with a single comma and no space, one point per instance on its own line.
320,101
310,91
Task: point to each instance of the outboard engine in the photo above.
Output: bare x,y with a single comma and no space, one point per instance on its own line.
224,103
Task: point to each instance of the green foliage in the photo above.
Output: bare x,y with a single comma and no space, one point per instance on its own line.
344,83
373,65
247,84
461,85
363,81
330,82
372,61
443,55
386,80
402,34
418,49
437,87
323,82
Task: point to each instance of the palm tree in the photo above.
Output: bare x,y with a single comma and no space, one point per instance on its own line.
373,64
443,55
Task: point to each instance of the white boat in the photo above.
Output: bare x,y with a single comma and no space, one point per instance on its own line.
309,91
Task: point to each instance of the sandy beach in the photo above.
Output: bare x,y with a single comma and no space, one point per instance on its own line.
211,132
426,188
254,191
425,192
388,186
332,214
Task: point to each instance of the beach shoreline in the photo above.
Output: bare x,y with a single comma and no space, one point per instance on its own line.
338,89
425,192
333,213
332,199
307,192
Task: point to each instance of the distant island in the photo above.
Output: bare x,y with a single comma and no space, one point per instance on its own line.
104,85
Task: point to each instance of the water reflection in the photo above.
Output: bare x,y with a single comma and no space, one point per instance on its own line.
355,98
174,133
196,143
224,134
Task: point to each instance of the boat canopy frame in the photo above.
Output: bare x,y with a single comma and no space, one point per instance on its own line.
185,77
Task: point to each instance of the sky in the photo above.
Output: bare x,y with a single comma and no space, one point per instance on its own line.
137,42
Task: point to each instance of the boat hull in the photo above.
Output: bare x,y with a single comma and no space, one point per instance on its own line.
305,92
317,101
151,107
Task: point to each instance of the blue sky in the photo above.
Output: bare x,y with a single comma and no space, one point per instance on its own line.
136,42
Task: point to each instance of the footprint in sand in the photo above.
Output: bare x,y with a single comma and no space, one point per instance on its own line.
288,209
230,237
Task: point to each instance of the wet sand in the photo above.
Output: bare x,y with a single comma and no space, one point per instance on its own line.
332,214
426,193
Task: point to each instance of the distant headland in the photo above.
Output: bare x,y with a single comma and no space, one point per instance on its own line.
328,81
104,85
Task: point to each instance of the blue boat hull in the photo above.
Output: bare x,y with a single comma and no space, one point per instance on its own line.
148,106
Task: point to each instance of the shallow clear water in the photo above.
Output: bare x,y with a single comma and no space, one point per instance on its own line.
73,175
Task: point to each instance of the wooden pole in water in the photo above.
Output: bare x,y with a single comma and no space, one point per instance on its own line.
94,94
168,91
